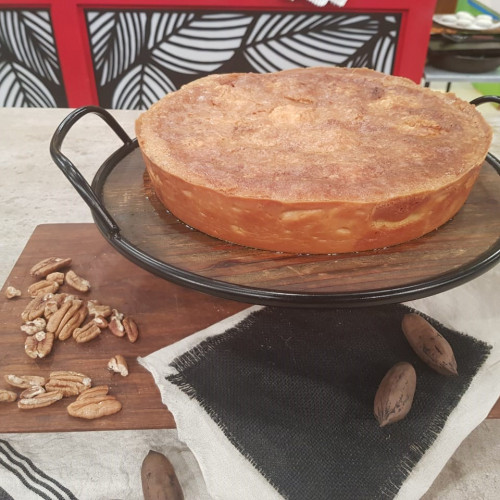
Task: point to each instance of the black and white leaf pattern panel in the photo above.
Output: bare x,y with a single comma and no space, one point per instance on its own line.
118,38
28,36
284,41
141,86
21,88
159,51
30,72
199,43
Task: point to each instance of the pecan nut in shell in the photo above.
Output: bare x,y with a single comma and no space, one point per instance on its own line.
429,345
394,396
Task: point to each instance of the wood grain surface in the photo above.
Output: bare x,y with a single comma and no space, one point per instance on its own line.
164,312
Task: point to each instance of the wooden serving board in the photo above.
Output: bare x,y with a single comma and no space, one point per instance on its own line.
164,312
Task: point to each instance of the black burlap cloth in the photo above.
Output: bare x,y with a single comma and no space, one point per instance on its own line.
293,391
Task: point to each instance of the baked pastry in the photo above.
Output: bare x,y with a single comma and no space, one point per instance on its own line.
314,160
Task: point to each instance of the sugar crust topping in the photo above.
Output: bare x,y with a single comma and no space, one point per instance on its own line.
314,134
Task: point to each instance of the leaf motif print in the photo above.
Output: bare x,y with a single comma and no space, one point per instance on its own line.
142,86
30,73
197,42
27,35
284,41
118,37
21,88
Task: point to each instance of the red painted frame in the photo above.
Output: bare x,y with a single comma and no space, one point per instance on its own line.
71,37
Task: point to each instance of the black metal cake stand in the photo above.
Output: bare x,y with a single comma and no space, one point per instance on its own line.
130,217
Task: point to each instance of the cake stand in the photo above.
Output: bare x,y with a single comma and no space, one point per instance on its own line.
134,222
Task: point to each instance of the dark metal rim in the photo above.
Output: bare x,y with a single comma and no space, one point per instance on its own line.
264,296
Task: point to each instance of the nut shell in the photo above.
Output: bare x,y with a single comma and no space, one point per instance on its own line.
159,480
429,345
394,396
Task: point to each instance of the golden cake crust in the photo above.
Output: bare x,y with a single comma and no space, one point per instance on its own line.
316,160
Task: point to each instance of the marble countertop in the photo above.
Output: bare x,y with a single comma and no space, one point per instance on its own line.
33,191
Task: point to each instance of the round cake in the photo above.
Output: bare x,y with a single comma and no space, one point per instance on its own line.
314,160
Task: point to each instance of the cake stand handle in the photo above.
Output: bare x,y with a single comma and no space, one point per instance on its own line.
495,163
485,98
73,174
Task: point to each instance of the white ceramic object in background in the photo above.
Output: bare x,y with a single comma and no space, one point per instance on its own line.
466,21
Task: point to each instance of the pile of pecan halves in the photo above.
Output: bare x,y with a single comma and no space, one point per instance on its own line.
53,316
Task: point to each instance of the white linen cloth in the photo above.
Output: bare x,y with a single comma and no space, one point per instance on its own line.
472,308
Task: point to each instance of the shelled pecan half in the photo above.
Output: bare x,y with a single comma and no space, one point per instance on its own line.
118,364
115,324
31,392
42,287
131,329
34,326
77,282
40,401
36,307
48,266
24,381
12,292
68,383
57,276
98,310
94,392
95,407
67,318
7,396
87,332
39,345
